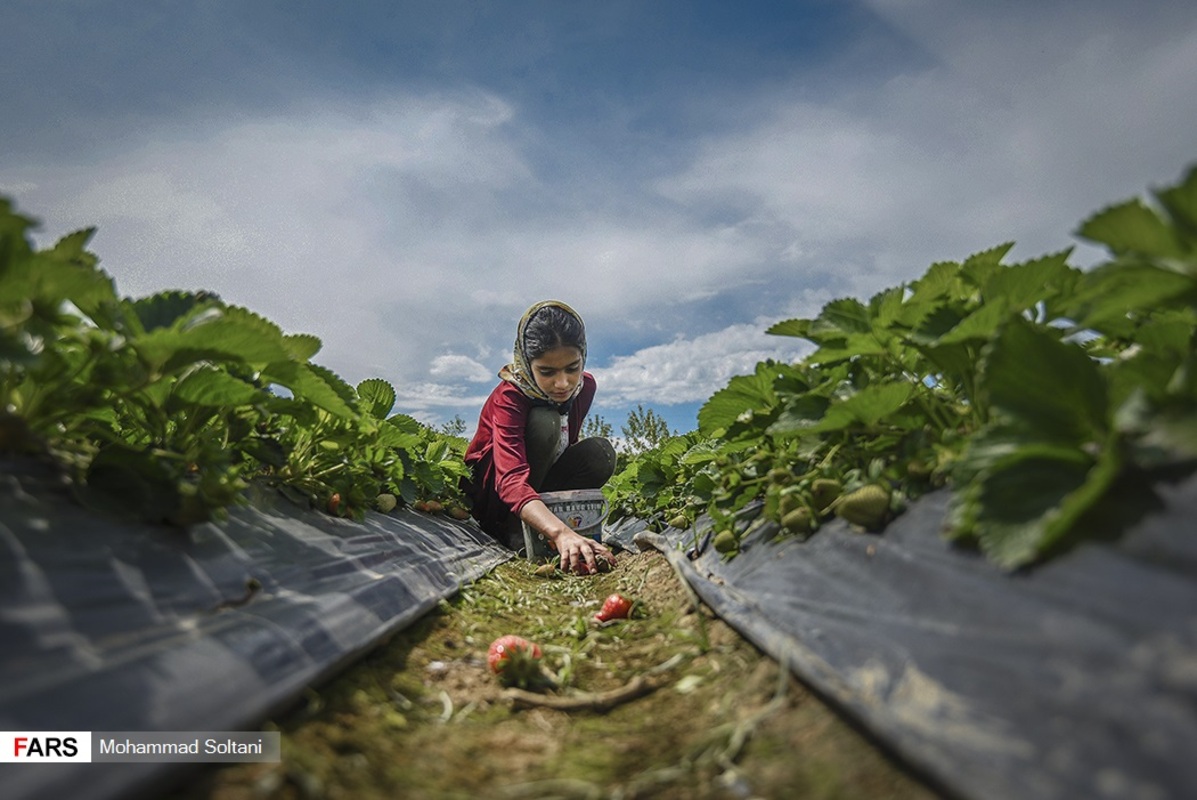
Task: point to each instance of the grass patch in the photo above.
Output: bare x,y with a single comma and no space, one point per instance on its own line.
422,717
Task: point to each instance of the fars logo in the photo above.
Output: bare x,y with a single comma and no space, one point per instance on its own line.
23,747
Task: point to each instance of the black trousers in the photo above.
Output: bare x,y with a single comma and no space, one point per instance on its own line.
586,464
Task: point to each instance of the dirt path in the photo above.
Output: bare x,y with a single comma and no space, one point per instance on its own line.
421,717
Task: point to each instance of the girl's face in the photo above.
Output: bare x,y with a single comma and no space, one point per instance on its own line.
558,371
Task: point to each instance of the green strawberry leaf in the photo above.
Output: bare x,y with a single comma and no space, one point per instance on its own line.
743,393
1132,227
1180,202
392,436
800,414
791,327
941,280
377,397
1045,385
851,346
1108,295
1029,501
978,326
1021,286
211,333
302,346
867,407
307,382
1014,502
840,318
978,268
886,306
164,309
211,387
405,423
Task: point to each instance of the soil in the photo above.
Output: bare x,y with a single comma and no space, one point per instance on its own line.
671,703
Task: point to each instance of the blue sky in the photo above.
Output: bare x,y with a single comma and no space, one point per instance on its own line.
403,179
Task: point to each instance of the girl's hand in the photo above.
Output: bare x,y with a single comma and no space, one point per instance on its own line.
581,555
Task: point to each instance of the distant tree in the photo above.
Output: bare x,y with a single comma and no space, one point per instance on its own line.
595,425
454,427
644,430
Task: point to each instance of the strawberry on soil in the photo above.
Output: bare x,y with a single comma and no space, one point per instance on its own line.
616,606
515,660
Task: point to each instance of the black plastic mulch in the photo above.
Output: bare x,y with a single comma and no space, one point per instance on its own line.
1075,679
116,626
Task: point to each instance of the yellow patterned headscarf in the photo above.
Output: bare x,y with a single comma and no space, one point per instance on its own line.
519,371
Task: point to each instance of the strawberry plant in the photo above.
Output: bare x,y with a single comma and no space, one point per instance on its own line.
1032,390
166,408
665,484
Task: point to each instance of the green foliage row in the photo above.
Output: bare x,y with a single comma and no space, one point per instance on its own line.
167,408
1032,390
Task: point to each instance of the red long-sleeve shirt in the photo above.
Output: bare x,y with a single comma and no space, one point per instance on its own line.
498,455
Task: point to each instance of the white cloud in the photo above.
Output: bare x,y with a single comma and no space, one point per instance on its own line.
462,368
387,228
435,402
348,221
1028,120
687,370
396,227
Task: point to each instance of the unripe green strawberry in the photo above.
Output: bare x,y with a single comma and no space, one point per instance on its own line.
918,469
867,507
780,475
824,491
726,542
680,521
386,502
797,521
789,502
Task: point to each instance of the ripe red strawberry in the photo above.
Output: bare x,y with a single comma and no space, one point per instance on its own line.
614,607
515,660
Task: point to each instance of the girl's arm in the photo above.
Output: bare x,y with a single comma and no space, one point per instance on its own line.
578,553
